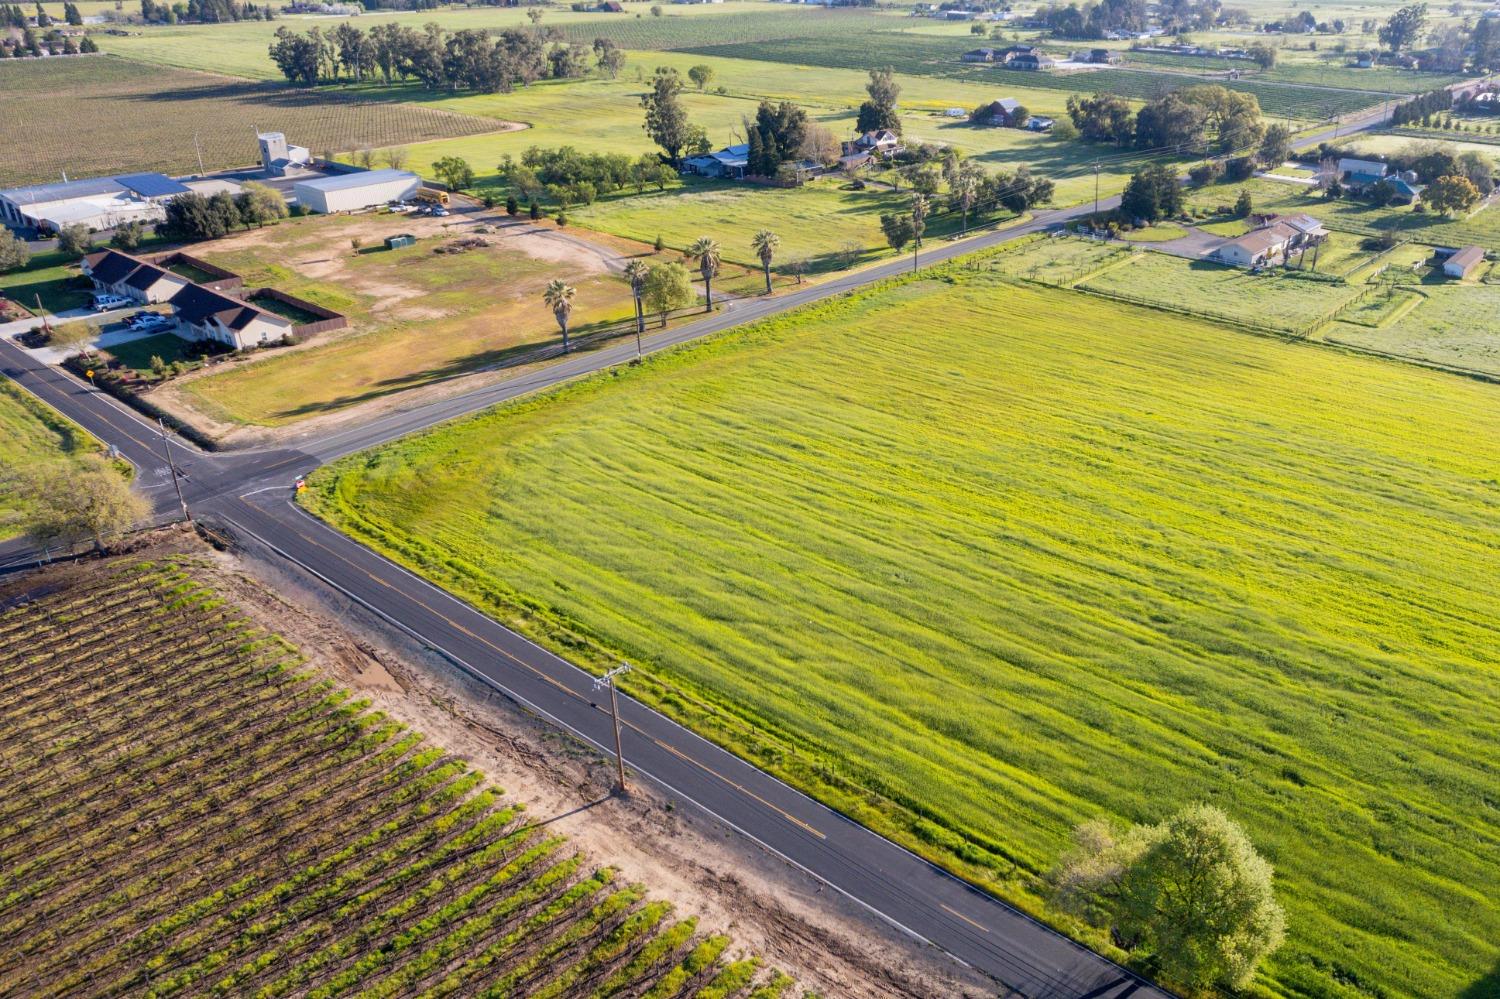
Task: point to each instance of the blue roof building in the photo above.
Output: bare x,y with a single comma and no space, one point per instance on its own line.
728,163
99,202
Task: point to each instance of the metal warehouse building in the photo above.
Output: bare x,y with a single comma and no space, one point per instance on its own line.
351,191
100,203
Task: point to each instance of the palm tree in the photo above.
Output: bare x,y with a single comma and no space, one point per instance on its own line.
636,273
706,252
559,298
765,244
966,187
918,226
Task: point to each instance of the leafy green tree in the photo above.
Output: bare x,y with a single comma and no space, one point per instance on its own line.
965,188
705,251
1275,146
609,57
666,118
87,45
512,207
259,204
75,240
1451,193
77,502
1402,29
669,286
880,110
14,253
1102,118
1191,891
535,210
1139,200
78,336
128,236
1262,54
455,172
701,75
559,297
897,228
766,243
1243,205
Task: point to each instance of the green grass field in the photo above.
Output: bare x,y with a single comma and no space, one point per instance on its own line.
31,434
612,111
239,49
1353,216
1017,557
1280,300
814,221
1452,325
51,278
926,55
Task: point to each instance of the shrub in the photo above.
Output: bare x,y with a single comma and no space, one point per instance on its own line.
1240,168
1206,173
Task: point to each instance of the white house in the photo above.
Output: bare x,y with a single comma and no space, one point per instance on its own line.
1306,228
1461,264
130,277
205,314
1258,248
880,142
352,191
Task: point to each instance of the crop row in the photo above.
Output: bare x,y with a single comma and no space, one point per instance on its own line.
60,116
666,33
186,809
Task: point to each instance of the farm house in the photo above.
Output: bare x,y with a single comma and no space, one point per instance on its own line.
353,191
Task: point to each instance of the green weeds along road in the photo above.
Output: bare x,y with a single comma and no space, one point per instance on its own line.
185,810
976,561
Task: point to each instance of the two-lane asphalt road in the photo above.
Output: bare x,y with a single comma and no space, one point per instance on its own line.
250,493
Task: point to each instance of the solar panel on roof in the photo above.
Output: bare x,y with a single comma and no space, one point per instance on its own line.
152,185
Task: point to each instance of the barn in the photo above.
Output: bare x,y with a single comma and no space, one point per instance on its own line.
352,191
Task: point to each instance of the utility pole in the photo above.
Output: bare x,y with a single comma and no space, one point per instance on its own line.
199,150
1094,219
46,324
608,679
166,446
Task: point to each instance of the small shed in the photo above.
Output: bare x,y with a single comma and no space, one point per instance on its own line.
396,242
1461,263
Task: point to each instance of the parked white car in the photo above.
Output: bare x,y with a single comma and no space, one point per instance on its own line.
106,303
153,322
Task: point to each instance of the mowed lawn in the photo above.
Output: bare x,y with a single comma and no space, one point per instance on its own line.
1021,557
1278,300
1452,324
814,221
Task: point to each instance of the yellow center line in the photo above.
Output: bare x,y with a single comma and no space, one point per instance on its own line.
966,919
